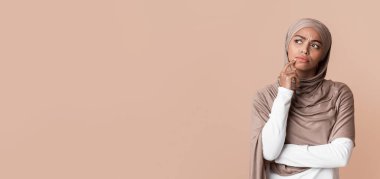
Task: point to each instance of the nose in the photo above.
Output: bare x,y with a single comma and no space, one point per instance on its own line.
304,50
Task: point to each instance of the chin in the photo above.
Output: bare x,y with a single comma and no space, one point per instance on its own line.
299,67
302,68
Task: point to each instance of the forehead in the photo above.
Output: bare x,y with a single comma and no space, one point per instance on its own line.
309,33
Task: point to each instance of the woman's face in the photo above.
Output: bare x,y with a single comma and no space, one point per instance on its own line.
307,48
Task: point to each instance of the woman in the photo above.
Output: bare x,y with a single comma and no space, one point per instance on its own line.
302,125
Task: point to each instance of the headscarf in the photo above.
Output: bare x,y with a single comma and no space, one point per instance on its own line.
324,33
321,110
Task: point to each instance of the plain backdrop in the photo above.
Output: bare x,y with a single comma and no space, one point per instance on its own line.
161,88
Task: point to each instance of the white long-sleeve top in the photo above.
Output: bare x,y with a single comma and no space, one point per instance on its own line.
324,160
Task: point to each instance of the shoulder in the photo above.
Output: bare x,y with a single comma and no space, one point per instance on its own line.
341,87
263,98
266,93
342,91
268,90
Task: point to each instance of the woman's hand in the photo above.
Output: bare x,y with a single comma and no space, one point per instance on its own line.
288,77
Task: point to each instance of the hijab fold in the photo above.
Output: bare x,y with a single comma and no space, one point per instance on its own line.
321,110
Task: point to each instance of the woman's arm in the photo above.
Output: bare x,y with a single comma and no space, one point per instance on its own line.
332,155
274,131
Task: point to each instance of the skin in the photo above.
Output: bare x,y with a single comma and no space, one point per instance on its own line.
305,44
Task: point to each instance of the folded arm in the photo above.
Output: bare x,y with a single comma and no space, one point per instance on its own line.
333,155
274,130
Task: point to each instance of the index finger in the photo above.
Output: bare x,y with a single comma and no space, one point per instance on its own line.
293,64
289,65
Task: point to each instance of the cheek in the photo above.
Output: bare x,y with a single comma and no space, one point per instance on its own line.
292,51
316,55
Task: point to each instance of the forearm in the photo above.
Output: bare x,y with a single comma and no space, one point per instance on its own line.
332,155
274,131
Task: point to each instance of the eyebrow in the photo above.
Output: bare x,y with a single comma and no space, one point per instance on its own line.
304,38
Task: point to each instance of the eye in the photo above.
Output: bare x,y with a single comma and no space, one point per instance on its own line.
298,41
316,46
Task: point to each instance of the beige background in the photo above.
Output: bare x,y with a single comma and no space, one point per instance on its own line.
161,89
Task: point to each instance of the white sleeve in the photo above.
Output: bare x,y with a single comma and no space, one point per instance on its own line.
274,131
333,155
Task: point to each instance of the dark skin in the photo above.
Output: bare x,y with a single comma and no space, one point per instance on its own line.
289,77
305,51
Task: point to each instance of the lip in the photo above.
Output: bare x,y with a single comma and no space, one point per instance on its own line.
302,59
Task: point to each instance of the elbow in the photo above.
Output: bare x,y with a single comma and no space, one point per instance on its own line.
272,152
343,153
270,156
343,162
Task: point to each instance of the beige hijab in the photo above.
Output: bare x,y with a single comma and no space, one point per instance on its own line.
321,110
